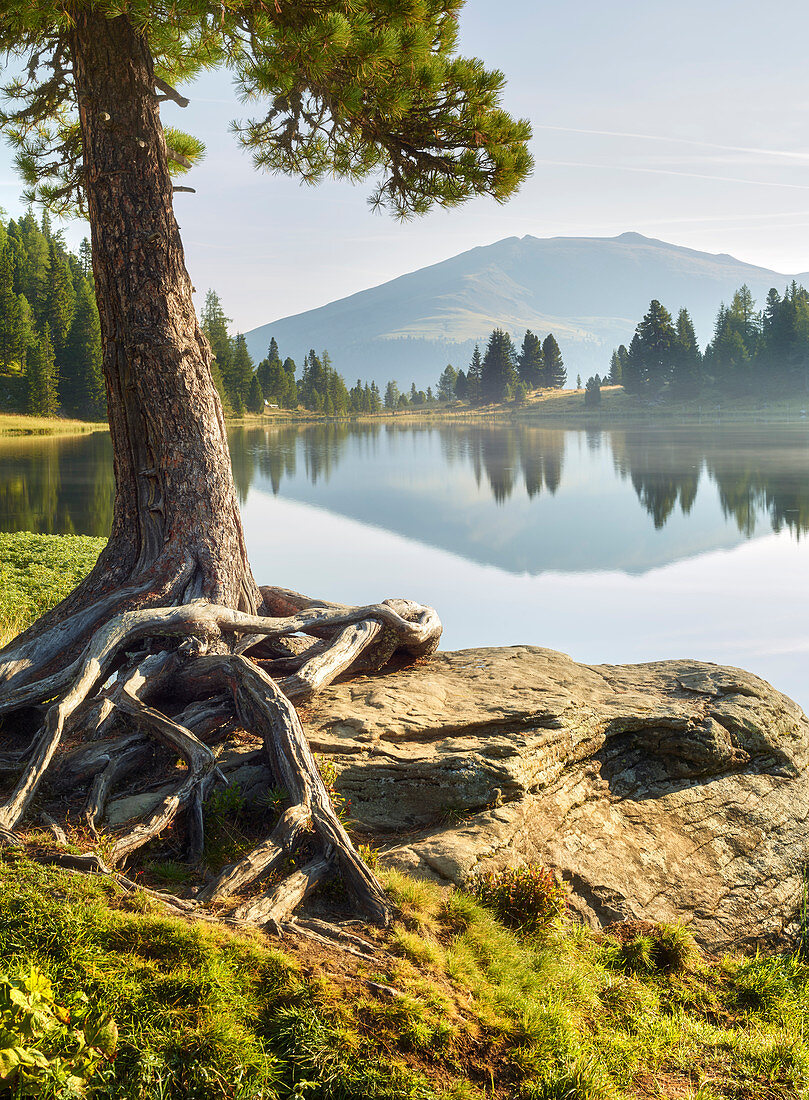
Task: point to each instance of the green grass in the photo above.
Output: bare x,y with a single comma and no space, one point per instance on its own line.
36,572
478,1010
566,408
18,424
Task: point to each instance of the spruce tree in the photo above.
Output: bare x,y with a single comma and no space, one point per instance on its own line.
40,374
555,371
34,265
687,358
10,349
616,367
657,339
633,371
531,362
391,396
255,401
473,390
241,369
498,373
81,384
60,300
86,258
214,325
592,392
446,384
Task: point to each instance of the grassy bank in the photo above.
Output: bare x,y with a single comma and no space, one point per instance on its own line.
17,424
566,408
457,1006
563,408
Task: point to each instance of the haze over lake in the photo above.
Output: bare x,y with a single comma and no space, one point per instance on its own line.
628,544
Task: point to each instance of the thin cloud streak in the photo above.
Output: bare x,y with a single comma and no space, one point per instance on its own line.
790,154
606,167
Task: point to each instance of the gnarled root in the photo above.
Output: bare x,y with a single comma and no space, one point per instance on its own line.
183,678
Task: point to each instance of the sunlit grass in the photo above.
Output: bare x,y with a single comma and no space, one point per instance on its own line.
36,572
17,424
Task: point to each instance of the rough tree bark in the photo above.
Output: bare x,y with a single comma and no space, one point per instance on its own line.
174,582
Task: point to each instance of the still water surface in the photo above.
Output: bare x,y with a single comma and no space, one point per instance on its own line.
620,545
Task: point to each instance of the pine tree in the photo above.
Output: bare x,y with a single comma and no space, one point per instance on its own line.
555,372
81,384
531,362
40,375
498,373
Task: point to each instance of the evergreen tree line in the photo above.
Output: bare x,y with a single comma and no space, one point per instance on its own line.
244,387
50,340
501,374
751,349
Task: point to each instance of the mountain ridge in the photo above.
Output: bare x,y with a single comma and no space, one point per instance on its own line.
589,291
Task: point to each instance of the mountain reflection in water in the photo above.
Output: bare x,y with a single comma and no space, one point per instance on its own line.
523,498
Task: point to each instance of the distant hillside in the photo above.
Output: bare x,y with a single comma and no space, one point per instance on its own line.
589,291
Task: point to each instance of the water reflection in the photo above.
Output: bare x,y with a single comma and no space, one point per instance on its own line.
56,485
525,498
761,474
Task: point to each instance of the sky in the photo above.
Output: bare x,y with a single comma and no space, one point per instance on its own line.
687,122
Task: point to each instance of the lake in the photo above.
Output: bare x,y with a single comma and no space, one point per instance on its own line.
629,544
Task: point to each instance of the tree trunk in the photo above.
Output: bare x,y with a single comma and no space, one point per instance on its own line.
174,581
176,531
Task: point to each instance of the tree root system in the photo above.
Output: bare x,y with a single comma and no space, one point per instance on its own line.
160,685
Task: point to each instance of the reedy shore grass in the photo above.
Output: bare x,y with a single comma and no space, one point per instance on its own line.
18,424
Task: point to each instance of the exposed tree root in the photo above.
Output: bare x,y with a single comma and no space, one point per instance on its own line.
184,678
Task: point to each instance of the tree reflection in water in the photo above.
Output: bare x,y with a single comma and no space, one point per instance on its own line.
761,473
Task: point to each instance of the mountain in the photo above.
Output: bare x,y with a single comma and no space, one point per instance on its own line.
589,291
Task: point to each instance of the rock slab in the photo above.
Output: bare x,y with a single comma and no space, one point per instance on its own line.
672,791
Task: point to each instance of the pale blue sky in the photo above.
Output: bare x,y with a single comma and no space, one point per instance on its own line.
688,122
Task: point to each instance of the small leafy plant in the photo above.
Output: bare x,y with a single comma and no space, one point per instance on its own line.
46,1049
529,898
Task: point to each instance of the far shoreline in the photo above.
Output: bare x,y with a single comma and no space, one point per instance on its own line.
561,409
